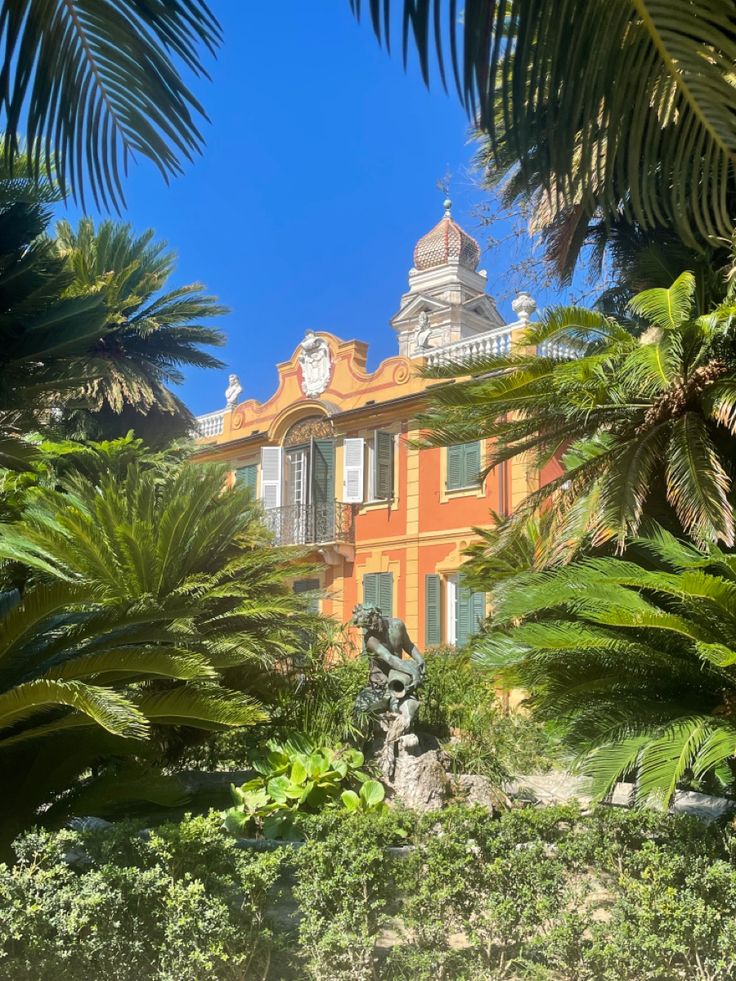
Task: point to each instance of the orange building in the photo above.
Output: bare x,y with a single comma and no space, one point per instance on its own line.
332,454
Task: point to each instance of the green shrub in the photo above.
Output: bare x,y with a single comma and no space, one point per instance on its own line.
346,883
535,895
547,894
180,903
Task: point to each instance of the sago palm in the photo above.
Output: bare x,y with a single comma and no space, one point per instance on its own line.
636,660
153,332
641,418
510,546
152,601
93,84
604,105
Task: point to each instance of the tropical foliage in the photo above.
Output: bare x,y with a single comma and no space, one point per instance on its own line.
91,337
44,332
151,602
594,109
297,777
641,417
634,658
151,333
95,83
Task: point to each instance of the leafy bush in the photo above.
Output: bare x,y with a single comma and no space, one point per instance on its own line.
295,778
316,701
459,702
346,883
180,903
535,895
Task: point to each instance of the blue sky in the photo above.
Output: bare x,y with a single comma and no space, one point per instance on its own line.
318,175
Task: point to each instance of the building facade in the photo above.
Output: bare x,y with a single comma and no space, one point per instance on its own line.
333,453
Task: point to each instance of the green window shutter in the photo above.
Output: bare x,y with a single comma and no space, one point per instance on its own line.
470,612
472,463
378,590
463,465
370,589
323,471
247,476
477,611
431,611
462,613
383,473
455,467
386,593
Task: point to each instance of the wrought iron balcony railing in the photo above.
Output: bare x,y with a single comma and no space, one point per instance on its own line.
312,524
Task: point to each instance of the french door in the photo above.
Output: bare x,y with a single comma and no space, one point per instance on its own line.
309,491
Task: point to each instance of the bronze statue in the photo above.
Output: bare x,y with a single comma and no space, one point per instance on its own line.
393,681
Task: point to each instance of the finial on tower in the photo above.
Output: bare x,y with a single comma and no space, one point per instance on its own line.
447,205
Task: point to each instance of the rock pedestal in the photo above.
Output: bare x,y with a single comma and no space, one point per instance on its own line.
412,766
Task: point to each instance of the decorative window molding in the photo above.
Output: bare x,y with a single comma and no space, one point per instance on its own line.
314,427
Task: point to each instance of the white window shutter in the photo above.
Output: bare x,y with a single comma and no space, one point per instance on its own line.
271,476
352,484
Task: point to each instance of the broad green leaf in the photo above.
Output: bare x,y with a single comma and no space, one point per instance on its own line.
350,800
372,792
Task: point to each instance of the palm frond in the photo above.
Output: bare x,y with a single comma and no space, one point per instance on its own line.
96,83
667,308
636,118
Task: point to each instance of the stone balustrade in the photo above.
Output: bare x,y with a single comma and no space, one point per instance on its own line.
211,424
489,344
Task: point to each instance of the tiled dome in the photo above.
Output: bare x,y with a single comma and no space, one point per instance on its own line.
446,243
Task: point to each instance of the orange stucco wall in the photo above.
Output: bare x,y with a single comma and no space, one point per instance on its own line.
425,528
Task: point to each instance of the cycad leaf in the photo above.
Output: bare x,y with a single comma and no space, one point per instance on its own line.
697,482
109,709
667,308
637,116
201,706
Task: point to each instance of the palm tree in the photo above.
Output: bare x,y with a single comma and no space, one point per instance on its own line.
95,83
45,335
152,332
640,418
151,602
594,108
635,659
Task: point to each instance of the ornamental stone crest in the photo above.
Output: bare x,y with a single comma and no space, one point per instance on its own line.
316,364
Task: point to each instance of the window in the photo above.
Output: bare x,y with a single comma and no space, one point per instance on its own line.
378,590
247,476
368,466
299,476
432,622
463,465
466,611
308,586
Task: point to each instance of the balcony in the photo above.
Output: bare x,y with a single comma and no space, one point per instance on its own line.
329,524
